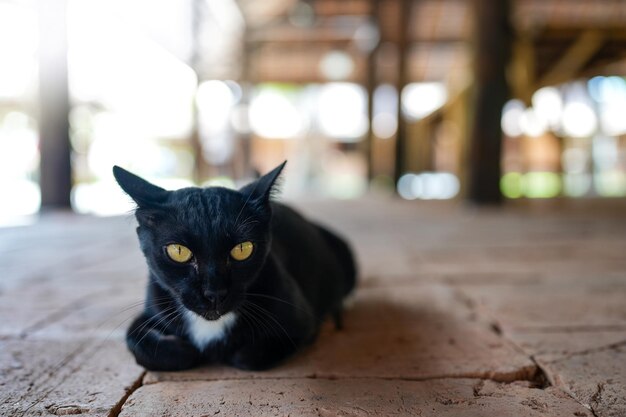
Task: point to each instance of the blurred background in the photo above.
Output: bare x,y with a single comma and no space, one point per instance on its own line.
478,100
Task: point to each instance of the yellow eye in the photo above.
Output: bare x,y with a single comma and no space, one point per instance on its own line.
178,253
242,251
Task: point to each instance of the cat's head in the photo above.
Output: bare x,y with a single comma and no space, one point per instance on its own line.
205,246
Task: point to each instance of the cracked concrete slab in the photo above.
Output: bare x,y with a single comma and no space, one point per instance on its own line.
89,309
40,377
415,332
575,332
29,307
596,379
589,365
348,397
419,339
103,315
444,351
591,302
554,345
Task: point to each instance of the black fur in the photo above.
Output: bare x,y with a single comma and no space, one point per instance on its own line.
297,275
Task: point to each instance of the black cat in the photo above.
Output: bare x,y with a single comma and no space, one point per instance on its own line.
234,277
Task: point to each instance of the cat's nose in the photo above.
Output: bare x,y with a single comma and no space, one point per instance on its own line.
215,297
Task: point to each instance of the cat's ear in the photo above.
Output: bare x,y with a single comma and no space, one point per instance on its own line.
261,190
146,195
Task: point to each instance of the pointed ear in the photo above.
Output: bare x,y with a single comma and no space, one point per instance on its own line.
261,190
140,190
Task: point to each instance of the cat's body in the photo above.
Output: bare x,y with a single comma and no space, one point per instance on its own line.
213,308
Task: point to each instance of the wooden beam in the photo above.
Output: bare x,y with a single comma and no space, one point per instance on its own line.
289,35
344,7
323,32
573,59
606,68
54,106
492,51
569,30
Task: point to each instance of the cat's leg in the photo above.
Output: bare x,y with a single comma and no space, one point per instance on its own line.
270,341
257,357
338,318
345,259
157,351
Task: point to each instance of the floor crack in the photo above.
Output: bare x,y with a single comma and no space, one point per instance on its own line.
526,375
596,398
566,356
570,328
539,377
117,408
46,375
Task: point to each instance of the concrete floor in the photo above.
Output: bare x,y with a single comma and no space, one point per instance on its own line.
514,312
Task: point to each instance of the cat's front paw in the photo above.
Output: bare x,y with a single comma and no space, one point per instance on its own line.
159,352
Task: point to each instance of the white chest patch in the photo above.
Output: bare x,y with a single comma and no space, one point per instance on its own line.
202,331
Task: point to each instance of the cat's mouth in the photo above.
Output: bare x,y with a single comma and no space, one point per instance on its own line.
212,315
210,311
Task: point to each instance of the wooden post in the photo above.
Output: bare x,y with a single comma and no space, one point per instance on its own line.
55,177
401,80
199,166
369,139
372,82
492,50
245,81
523,68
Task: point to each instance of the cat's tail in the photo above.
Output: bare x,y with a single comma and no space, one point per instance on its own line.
346,259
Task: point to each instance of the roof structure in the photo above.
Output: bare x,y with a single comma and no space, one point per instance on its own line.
558,40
